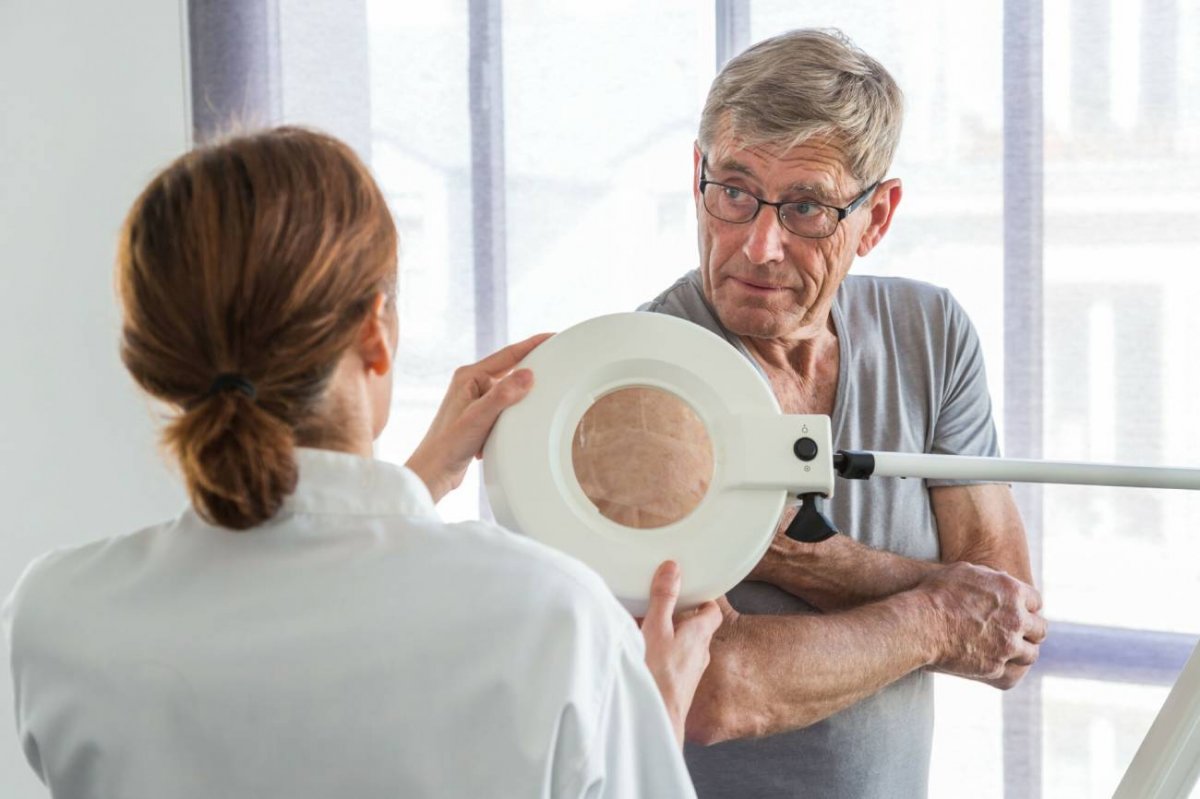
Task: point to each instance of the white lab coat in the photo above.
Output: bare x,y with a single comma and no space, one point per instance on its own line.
353,646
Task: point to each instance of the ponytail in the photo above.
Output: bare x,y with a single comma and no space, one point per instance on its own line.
244,270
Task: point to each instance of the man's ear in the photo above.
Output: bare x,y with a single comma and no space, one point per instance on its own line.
697,158
881,208
374,346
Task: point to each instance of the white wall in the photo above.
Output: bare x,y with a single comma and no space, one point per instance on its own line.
92,100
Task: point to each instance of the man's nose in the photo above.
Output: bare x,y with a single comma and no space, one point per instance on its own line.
764,239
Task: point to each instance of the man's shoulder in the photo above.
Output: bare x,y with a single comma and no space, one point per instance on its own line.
685,299
684,295
896,301
865,287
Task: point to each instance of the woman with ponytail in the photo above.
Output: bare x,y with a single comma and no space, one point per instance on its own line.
308,627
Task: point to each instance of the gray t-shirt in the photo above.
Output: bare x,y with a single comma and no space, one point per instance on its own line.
911,379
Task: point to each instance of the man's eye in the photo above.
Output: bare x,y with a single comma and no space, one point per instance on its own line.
805,209
732,193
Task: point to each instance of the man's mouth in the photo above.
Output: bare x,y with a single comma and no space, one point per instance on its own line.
756,286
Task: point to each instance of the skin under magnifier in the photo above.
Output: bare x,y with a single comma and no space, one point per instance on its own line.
647,438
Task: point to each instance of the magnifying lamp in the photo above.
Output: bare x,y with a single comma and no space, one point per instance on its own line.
675,395
647,438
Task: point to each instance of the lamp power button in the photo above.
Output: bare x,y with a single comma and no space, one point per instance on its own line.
805,449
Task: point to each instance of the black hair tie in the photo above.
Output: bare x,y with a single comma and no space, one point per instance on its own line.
229,381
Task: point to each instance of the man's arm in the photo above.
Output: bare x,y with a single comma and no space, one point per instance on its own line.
772,674
977,524
838,573
981,524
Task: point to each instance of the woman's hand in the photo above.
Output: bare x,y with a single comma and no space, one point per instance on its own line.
477,395
677,644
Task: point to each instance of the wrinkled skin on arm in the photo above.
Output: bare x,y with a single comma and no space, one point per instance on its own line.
772,674
976,524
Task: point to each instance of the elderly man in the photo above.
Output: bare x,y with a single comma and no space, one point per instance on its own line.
814,689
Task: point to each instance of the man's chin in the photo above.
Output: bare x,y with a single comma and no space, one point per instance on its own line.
753,322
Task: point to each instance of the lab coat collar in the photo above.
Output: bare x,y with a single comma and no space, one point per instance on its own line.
340,483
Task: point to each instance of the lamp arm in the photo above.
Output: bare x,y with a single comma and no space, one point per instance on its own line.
856,465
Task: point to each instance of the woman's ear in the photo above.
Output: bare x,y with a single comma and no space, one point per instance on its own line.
375,340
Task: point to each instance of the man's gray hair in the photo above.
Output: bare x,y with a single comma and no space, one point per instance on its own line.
807,85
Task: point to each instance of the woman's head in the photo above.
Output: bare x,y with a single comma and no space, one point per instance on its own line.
254,275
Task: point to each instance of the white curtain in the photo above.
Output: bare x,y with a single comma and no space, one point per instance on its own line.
537,157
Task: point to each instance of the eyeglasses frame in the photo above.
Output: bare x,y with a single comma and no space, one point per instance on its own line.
842,213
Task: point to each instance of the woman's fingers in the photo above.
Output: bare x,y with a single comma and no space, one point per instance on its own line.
481,415
477,395
696,627
663,622
658,624
471,382
708,618
501,361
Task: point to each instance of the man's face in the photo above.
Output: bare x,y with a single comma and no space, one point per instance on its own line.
764,281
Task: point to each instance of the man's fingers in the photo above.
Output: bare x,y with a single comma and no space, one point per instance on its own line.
1012,674
664,592
502,360
1026,654
1033,599
1038,629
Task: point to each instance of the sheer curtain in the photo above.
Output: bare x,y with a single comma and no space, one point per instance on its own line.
537,157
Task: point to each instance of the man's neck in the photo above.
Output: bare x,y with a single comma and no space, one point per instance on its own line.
801,354
803,371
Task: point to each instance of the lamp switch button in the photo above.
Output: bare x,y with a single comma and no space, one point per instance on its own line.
805,449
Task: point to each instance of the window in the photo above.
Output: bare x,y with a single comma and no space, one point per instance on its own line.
537,157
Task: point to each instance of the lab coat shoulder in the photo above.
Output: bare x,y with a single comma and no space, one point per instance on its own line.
548,572
49,578
30,576
560,598
36,617
614,738
16,603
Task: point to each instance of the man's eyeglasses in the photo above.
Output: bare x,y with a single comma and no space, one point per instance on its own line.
807,218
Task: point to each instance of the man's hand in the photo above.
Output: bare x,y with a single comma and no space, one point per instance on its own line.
676,643
477,395
989,624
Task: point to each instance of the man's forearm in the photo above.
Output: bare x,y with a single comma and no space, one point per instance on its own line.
839,573
771,674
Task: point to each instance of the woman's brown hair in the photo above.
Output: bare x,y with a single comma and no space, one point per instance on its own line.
255,259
